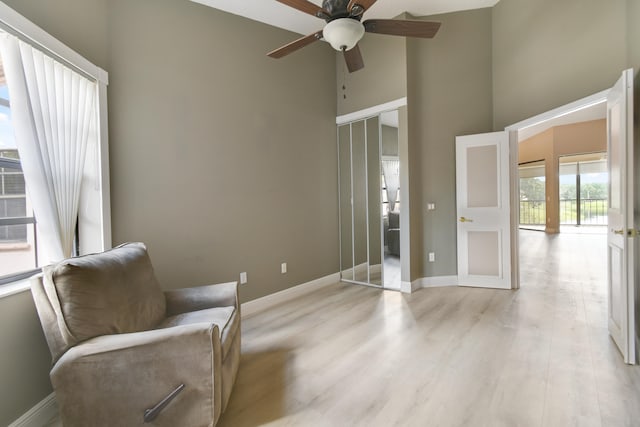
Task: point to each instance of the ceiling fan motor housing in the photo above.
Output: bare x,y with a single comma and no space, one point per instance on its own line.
336,8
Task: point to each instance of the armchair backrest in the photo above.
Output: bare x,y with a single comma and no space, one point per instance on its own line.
99,294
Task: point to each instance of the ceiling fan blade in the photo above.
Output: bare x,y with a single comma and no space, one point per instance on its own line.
295,45
306,7
353,58
364,5
396,27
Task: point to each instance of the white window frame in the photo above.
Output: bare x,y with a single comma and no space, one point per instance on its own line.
11,21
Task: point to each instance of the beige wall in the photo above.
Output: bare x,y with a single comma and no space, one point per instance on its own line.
222,160
449,80
633,34
547,53
384,69
82,25
550,145
24,360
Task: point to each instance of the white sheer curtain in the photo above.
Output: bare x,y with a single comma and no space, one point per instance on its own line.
391,171
52,108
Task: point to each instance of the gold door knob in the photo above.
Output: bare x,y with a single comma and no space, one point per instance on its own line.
463,219
621,231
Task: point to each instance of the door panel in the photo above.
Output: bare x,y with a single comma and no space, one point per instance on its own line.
359,179
482,177
346,218
483,210
621,232
484,253
374,201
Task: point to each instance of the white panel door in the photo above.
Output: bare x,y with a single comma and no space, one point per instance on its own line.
621,230
482,194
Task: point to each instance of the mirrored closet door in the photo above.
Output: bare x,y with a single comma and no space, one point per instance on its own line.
390,198
360,201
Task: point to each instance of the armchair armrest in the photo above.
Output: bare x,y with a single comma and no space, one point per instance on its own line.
112,379
202,297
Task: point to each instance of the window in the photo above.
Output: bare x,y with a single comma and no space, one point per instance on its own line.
390,182
533,205
583,189
13,197
52,160
17,224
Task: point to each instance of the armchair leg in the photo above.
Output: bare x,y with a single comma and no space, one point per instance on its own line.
151,414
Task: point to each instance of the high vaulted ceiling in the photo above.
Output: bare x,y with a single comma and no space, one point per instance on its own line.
273,13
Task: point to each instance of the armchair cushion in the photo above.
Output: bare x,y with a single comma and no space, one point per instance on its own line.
197,298
116,292
224,317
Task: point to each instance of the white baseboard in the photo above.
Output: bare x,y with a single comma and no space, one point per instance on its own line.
436,281
40,414
407,287
428,282
251,307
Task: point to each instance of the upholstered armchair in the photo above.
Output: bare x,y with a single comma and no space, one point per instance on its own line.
125,353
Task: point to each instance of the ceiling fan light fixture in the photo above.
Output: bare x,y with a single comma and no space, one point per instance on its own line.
343,33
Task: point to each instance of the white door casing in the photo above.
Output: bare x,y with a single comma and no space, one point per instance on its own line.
483,210
621,228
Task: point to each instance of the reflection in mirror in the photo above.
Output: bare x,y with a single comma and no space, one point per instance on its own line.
346,220
374,205
359,193
390,198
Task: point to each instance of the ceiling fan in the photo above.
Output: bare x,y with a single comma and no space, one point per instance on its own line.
344,29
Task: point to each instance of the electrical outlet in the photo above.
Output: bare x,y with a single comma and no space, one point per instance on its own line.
432,256
243,277
431,206
283,268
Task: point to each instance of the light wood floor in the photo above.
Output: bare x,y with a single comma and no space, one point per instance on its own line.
347,355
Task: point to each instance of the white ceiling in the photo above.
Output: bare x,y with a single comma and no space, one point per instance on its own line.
277,14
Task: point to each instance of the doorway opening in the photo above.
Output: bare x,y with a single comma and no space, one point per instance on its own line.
557,156
537,146
562,244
